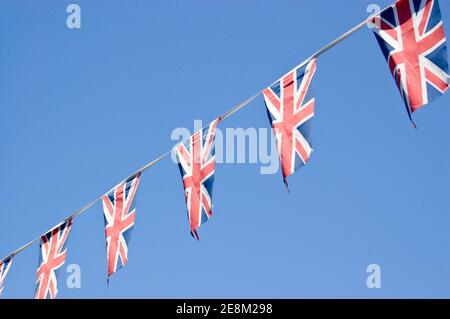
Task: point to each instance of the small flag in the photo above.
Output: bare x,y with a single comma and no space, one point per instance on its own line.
411,36
5,265
290,107
119,213
196,163
52,256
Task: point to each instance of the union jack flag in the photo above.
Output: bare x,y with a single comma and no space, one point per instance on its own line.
5,265
52,257
119,213
196,163
290,107
411,36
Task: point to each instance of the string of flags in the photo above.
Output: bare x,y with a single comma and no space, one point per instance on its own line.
119,213
52,256
196,163
290,106
411,37
5,265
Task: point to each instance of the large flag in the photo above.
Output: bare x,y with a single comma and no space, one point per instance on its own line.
5,265
52,256
196,163
119,212
411,36
290,106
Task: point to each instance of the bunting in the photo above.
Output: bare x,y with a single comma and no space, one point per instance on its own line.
196,163
5,265
52,256
290,107
411,36
120,214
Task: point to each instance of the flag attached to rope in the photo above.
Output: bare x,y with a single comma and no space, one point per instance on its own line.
119,212
52,256
290,106
196,163
411,36
5,265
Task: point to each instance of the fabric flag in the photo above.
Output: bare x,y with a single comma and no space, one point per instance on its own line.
290,107
411,36
119,212
196,163
5,265
52,256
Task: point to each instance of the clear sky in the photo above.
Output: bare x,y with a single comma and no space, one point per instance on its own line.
82,109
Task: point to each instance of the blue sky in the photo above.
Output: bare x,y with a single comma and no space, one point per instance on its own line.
82,109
